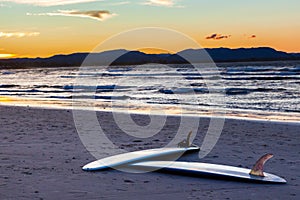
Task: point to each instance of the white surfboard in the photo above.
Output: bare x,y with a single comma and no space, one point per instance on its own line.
136,156
208,170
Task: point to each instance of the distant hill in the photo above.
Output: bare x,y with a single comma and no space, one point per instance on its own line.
125,57
250,54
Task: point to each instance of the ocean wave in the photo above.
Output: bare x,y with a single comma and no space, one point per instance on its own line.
170,102
198,84
48,86
291,69
262,78
276,73
98,87
244,91
228,91
194,78
271,87
68,76
125,69
183,90
9,86
7,73
250,69
60,97
22,91
30,91
123,97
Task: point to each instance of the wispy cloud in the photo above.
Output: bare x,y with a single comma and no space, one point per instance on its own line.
216,36
160,2
4,5
99,15
165,3
18,34
48,2
120,3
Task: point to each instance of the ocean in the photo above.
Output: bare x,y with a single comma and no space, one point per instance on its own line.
268,91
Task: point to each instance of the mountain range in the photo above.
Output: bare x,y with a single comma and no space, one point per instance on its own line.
125,57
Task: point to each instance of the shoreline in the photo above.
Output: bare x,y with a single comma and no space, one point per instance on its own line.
264,116
41,156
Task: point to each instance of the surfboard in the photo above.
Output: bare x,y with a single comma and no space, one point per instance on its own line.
208,170
136,156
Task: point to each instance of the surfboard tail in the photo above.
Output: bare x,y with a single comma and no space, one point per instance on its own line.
258,168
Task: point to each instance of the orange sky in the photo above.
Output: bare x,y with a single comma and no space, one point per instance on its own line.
45,28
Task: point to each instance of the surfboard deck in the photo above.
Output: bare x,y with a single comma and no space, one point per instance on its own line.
208,170
136,156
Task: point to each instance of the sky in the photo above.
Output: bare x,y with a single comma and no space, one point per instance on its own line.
30,28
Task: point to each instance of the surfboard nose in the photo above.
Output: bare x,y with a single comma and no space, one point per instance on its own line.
85,168
88,167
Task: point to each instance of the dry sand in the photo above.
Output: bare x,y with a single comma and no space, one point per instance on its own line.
41,157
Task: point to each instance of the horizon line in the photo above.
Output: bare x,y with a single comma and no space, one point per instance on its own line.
139,50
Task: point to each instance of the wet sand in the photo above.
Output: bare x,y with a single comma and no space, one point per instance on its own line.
41,157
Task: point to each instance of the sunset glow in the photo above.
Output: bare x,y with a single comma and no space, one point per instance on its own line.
6,55
154,51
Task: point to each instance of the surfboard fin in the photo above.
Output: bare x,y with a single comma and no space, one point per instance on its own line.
186,142
258,168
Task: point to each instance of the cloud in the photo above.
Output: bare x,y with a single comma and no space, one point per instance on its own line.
168,3
49,2
165,3
3,5
216,36
120,3
18,34
99,15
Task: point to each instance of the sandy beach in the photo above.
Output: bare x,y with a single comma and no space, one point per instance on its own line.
41,158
